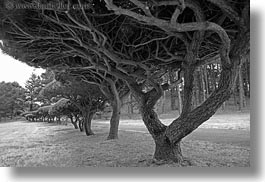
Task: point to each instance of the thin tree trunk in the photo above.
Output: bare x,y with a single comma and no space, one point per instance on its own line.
74,122
81,124
214,76
59,120
173,99
130,106
235,99
172,91
179,99
247,77
203,84
196,90
200,84
31,105
223,106
241,90
163,100
188,90
206,81
116,112
88,116
114,121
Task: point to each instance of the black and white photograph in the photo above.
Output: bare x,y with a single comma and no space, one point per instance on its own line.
125,83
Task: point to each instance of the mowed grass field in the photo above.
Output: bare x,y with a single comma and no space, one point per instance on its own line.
223,141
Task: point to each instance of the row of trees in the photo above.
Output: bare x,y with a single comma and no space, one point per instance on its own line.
134,44
206,81
45,98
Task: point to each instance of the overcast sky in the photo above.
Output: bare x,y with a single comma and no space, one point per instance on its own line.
13,70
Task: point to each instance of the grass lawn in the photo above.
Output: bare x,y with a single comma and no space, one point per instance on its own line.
223,141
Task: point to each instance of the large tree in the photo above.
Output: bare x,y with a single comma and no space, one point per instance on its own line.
139,41
33,86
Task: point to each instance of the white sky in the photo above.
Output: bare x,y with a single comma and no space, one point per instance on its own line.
13,70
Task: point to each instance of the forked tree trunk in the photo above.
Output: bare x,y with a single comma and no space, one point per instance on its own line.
164,149
167,138
88,116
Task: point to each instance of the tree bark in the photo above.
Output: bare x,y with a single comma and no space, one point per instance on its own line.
81,124
185,124
172,91
173,99
115,119
242,99
163,100
130,106
179,100
74,122
200,87
88,116
165,150
116,112
188,90
206,81
31,105
167,138
203,85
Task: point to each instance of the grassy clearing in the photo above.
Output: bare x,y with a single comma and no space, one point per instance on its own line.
25,144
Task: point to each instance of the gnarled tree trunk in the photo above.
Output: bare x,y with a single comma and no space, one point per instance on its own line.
167,138
164,149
